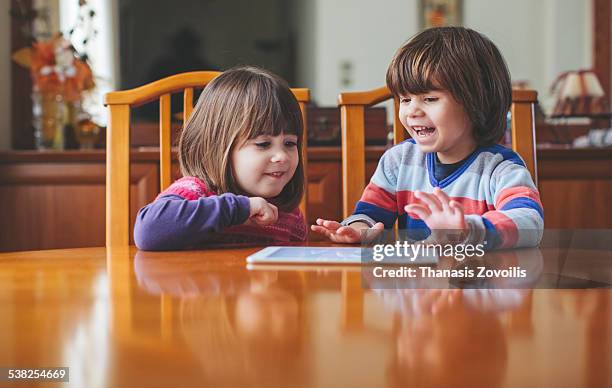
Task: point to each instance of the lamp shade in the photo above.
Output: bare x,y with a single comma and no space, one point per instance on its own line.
579,93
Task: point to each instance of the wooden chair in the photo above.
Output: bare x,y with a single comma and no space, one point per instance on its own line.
118,142
352,120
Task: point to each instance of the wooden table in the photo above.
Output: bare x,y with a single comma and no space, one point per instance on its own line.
125,318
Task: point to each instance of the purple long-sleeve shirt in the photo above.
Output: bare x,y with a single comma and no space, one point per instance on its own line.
172,222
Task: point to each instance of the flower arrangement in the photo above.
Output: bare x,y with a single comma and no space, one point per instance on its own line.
56,68
60,75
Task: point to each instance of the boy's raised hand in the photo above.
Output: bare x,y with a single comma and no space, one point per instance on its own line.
262,211
438,211
338,233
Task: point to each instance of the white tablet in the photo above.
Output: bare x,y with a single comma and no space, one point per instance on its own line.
307,255
323,255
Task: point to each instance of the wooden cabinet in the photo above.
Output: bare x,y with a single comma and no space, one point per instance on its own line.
56,200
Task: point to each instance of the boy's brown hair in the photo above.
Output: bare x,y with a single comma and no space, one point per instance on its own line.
240,104
464,62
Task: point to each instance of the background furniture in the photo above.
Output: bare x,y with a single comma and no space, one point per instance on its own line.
57,199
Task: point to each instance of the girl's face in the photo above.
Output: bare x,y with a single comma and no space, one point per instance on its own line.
264,165
438,124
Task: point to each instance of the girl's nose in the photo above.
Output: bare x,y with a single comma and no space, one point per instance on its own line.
279,156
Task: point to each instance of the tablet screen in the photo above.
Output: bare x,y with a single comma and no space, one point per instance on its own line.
319,255
340,255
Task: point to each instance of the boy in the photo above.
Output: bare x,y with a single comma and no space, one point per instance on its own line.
454,91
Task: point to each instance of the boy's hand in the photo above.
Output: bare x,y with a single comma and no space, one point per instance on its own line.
346,234
262,211
440,214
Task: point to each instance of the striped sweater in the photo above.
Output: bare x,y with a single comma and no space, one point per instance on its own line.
501,203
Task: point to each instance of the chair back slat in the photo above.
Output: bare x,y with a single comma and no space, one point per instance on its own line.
187,104
118,176
302,102
165,149
352,121
399,132
353,155
118,142
522,124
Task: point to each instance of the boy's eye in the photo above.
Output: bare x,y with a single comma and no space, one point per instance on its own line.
431,99
291,144
404,100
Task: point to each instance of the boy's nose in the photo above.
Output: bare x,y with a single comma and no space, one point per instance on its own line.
415,111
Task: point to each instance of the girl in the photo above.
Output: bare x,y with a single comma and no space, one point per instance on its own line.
242,171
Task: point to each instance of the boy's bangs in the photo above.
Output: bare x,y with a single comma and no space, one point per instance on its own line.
415,73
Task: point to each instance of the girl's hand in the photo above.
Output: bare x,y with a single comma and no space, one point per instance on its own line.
440,214
262,211
346,234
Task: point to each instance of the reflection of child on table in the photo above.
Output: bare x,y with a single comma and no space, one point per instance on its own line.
450,337
252,337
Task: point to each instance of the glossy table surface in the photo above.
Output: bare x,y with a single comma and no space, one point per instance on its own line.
125,318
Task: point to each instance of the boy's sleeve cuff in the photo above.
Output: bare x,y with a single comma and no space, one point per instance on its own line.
358,218
477,231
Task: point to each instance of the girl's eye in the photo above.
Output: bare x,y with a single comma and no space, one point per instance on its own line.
291,144
431,99
263,144
404,100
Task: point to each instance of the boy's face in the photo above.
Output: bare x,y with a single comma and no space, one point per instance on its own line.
438,124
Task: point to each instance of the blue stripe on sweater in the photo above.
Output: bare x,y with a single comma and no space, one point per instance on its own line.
492,238
376,213
506,153
523,202
416,229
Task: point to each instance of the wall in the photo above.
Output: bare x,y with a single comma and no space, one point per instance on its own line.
5,76
362,33
539,39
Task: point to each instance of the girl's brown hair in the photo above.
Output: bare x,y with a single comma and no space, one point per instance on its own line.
464,62
240,104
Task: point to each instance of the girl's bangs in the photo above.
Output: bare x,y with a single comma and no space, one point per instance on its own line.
271,117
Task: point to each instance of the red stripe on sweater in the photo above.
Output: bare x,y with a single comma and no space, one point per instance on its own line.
511,193
505,227
380,197
470,206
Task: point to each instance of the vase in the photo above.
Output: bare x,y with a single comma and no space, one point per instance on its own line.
48,117
86,132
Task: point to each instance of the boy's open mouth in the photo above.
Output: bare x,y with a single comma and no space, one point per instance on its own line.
423,131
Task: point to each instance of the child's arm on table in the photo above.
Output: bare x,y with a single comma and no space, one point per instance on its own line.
173,222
